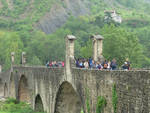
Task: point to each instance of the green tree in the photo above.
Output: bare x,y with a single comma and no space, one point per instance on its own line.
121,44
86,51
10,42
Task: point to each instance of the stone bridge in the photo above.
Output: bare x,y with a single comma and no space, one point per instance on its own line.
69,89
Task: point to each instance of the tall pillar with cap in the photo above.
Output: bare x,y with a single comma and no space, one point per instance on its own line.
69,52
100,47
94,47
0,68
12,58
23,60
97,47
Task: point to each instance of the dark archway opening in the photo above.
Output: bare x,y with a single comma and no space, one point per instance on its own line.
38,104
5,90
67,100
23,91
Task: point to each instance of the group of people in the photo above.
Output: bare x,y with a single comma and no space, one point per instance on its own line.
108,65
91,64
55,64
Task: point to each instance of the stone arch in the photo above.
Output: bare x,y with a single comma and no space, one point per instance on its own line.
23,90
38,107
67,100
12,91
5,90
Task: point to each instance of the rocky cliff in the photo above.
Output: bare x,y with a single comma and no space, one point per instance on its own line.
60,13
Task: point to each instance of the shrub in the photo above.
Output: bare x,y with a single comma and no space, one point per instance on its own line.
101,103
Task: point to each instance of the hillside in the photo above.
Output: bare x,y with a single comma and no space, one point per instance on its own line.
48,15
39,27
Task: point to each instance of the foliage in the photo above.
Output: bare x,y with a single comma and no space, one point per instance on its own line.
13,106
87,101
101,103
86,51
82,111
9,42
114,98
121,44
11,100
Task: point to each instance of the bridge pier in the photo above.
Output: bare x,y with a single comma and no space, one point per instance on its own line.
69,60
12,86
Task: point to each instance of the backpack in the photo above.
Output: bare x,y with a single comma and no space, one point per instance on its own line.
99,66
105,65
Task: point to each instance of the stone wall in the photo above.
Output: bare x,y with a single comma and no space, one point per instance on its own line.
132,89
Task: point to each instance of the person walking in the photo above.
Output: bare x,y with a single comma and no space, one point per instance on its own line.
113,64
86,64
90,62
126,65
105,64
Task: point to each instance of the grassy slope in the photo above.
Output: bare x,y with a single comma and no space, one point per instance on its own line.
13,106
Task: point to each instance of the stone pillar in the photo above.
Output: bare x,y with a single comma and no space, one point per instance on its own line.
0,68
12,58
94,48
23,60
69,52
97,47
100,47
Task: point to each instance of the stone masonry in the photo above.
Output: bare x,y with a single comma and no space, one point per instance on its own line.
65,90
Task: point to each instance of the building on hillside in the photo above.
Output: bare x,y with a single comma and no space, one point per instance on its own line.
113,15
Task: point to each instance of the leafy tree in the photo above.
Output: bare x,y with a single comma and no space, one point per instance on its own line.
86,51
10,42
101,103
121,44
